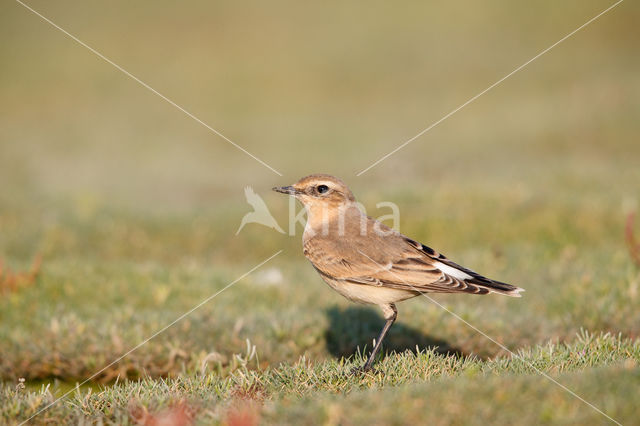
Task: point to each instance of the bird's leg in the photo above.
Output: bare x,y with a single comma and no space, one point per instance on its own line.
390,314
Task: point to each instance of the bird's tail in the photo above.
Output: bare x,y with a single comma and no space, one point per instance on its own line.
503,288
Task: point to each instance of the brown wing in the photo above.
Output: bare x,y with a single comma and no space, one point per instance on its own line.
396,261
458,278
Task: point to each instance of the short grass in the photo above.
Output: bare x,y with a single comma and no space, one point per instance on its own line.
240,354
133,209
421,386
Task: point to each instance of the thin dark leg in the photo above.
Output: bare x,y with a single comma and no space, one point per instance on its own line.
391,316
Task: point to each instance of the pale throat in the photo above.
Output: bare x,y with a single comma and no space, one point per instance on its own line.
329,216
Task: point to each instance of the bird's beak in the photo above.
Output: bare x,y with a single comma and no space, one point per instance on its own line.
286,190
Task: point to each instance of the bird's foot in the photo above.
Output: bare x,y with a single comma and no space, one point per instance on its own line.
364,369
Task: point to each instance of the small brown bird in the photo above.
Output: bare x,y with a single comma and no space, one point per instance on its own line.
368,262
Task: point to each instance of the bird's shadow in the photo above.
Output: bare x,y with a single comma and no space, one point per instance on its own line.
355,328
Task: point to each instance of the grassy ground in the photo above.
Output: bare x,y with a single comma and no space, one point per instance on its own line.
406,388
133,208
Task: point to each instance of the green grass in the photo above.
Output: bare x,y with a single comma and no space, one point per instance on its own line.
133,208
409,382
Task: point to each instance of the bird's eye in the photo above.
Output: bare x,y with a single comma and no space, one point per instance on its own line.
322,189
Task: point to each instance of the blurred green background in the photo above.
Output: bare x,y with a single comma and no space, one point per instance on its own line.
127,198
308,88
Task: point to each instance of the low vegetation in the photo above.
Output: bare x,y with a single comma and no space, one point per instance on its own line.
413,386
118,213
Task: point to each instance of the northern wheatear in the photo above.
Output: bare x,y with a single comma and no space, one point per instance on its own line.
368,262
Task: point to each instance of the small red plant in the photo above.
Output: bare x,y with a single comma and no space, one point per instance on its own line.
634,247
177,414
245,408
243,414
13,281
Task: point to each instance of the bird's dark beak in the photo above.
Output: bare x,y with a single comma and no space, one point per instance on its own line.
286,190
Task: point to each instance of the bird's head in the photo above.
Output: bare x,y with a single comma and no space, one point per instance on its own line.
319,190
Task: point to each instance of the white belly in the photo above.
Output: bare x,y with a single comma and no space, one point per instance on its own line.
369,294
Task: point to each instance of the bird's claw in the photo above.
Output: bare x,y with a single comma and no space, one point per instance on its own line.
362,370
